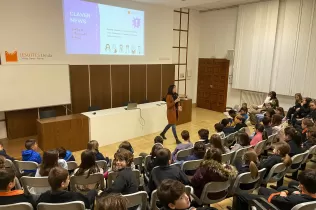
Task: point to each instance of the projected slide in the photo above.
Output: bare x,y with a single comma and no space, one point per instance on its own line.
92,28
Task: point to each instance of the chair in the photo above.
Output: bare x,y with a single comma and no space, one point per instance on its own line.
238,155
74,205
257,204
312,151
102,164
72,165
137,199
190,165
276,173
269,141
212,187
34,182
259,147
229,140
154,198
242,130
96,179
9,164
47,114
245,178
138,161
112,176
93,108
182,154
305,206
227,157
26,165
17,206
297,161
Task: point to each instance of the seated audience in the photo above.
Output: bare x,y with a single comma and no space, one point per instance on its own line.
219,130
153,163
294,139
211,169
198,151
296,107
4,153
165,171
58,179
284,200
243,112
158,140
242,141
93,145
280,154
266,121
65,154
268,112
126,145
311,138
125,182
312,114
16,180
232,114
306,125
7,194
31,154
204,134
216,142
111,202
50,160
239,123
186,144
280,111
258,137
276,125
172,195
250,164
227,128
302,112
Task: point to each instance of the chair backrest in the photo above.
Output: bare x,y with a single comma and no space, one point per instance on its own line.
47,114
227,157
17,206
102,164
154,198
26,165
74,205
214,187
245,178
147,160
190,166
182,154
276,173
259,147
312,151
229,140
30,182
238,155
137,199
305,206
96,179
269,141
297,160
112,176
8,164
72,165
138,161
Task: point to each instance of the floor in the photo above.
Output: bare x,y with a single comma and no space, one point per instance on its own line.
201,118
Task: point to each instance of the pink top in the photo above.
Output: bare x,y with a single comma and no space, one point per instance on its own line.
256,139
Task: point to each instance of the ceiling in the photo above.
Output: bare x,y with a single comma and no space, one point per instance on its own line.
198,4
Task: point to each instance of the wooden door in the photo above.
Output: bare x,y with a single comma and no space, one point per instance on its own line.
212,84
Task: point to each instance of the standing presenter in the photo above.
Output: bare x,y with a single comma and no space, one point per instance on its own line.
173,107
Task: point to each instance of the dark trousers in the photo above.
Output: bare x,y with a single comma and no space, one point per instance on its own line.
240,201
174,131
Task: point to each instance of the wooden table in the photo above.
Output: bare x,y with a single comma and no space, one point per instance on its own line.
186,115
70,132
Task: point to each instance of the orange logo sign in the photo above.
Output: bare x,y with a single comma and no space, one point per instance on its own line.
11,57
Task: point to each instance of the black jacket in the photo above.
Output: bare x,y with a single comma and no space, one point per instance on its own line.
238,126
15,196
125,182
228,130
166,172
312,115
287,203
270,162
295,149
4,154
66,196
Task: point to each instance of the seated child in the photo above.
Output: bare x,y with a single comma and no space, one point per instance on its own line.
9,196
93,145
203,134
239,123
110,202
186,144
227,128
158,140
58,179
243,112
31,154
65,154
219,129
4,153
258,136
126,145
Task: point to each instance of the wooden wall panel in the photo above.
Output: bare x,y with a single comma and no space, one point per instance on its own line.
154,82
168,72
79,83
100,84
120,85
138,83
21,123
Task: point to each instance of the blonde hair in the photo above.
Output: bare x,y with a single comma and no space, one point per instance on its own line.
251,158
